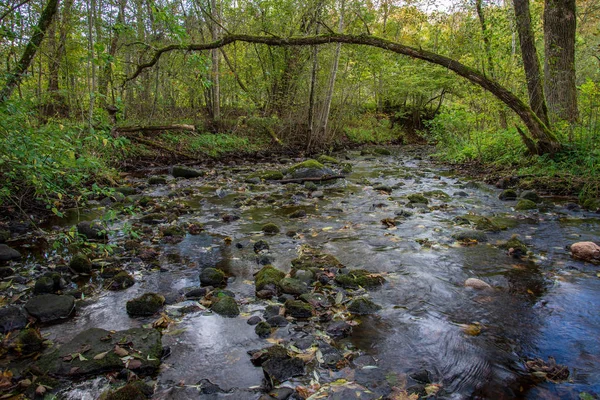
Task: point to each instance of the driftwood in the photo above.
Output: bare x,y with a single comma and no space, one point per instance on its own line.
139,128
300,180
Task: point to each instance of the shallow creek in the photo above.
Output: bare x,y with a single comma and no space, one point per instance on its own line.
544,305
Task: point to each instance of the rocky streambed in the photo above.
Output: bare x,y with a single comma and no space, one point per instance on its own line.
369,275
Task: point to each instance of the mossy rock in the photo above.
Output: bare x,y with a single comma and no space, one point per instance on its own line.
157,180
437,194
101,357
417,198
28,341
363,306
325,159
92,230
121,281
382,151
310,186
146,304
173,230
44,284
153,218
359,278
312,258
292,286
508,195
126,190
263,329
212,277
383,188
346,168
525,204
517,246
531,195
479,222
268,275
145,201
81,264
226,307
127,392
470,235
298,309
270,229
308,164
185,172
297,214
271,175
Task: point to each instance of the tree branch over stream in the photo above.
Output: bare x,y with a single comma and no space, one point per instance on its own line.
545,140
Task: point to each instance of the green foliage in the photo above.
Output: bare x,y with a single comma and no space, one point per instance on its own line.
371,128
50,163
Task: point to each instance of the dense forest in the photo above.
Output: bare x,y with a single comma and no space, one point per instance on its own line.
493,82
278,199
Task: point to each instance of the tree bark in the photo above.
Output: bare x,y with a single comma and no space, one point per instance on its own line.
560,24
37,36
546,141
531,64
216,87
106,75
486,38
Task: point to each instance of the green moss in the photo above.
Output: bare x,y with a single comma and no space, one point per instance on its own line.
127,392
346,168
382,151
28,341
312,258
271,175
437,194
516,244
173,230
479,222
212,277
525,204
146,304
269,275
508,194
270,229
226,307
531,195
292,286
591,204
417,198
325,159
263,329
298,309
359,278
121,281
308,164
363,306
157,180
80,263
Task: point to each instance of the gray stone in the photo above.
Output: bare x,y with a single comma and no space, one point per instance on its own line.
91,230
8,253
50,307
12,318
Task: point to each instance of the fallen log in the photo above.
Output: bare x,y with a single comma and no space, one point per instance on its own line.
316,179
155,128
160,146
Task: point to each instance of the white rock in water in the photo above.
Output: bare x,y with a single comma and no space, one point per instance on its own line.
586,251
477,284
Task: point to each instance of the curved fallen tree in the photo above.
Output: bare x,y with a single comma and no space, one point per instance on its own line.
544,140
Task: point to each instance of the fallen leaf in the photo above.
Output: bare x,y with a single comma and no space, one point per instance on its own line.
40,390
133,364
121,352
100,356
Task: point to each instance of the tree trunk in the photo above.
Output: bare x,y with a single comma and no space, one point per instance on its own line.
216,88
546,141
531,63
106,75
486,38
560,25
32,46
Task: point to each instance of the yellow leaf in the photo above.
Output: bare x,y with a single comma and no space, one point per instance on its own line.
104,141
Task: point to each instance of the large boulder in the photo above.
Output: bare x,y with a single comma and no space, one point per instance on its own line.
50,307
226,307
97,351
293,286
309,169
8,253
586,251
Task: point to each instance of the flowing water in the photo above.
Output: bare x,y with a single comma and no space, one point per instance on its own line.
545,305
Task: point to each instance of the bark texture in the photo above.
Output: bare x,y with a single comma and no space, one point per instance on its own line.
560,24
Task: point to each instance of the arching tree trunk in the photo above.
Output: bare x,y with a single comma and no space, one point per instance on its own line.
531,63
546,141
32,46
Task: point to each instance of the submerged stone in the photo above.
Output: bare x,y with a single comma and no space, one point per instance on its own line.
470,235
508,195
531,195
477,284
100,353
515,246
157,180
50,307
297,214
145,305
325,159
417,198
479,222
121,281
263,329
270,229
292,286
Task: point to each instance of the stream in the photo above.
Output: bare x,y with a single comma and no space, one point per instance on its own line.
432,335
